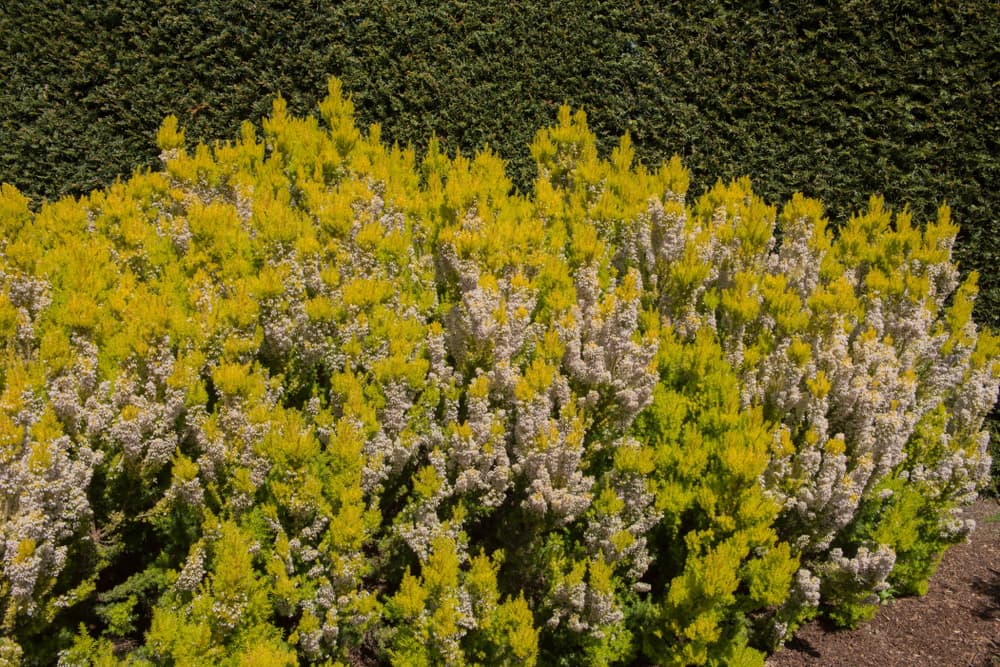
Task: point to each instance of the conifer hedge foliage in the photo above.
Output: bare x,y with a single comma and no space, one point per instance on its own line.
303,398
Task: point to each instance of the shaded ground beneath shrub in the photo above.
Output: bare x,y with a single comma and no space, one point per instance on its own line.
957,624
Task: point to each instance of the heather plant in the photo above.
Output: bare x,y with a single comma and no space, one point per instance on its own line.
301,398
859,349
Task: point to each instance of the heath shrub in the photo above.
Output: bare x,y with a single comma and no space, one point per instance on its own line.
300,398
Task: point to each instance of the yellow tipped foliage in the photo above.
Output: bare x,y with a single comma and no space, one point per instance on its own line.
321,400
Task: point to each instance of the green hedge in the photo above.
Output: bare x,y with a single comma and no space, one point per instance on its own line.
837,102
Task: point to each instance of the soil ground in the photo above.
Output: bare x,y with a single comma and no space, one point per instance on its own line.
957,624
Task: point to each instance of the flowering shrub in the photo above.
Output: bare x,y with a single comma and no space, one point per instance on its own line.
301,399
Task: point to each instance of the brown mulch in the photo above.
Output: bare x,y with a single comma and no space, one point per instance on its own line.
957,624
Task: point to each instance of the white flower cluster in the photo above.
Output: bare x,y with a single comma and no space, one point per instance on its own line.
148,410
620,536
193,572
583,609
865,574
548,452
44,473
45,509
30,296
603,355
475,459
805,594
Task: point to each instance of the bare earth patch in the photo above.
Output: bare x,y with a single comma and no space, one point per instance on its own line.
957,624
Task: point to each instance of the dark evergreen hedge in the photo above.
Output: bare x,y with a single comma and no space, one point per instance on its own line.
838,102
